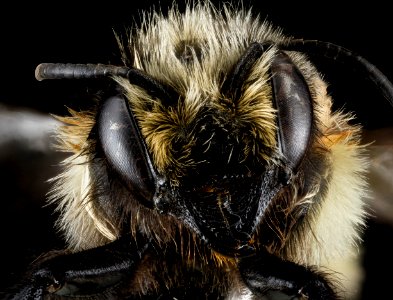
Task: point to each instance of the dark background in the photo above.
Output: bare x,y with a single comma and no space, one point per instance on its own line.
72,33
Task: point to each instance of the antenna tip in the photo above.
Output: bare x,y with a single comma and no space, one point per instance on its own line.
39,72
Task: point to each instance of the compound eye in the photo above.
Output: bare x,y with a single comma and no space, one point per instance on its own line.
125,150
294,110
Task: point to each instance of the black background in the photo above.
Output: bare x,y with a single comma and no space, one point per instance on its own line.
66,32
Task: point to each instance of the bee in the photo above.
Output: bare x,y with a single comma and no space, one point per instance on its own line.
211,167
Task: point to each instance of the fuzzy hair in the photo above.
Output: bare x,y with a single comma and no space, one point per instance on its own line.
193,52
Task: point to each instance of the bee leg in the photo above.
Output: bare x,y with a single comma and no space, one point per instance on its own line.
267,275
83,273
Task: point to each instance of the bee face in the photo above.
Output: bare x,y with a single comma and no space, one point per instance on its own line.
222,132
234,132
243,143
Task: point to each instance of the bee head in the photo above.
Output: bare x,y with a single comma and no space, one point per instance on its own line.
213,134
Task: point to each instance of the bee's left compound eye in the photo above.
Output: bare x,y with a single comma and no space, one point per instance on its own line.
294,106
125,150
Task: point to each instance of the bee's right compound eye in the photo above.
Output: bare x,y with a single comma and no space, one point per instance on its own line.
125,150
